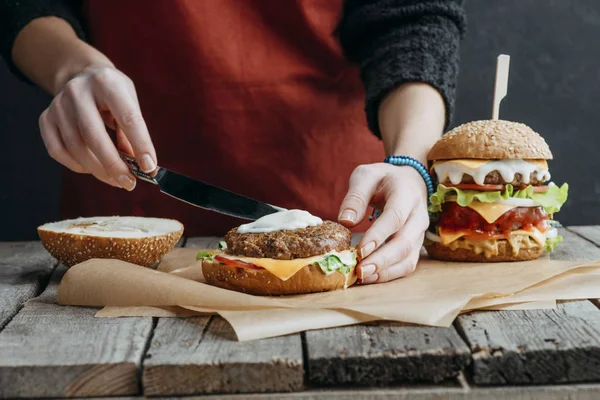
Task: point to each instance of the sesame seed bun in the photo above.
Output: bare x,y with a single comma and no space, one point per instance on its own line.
441,252
491,139
309,279
141,241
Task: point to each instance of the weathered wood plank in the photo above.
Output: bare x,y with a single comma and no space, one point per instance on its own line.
54,351
25,268
591,233
538,346
193,355
574,247
555,392
181,360
382,353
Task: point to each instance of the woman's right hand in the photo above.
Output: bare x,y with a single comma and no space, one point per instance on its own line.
74,132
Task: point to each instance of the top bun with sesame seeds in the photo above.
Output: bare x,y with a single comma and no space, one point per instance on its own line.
491,139
138,240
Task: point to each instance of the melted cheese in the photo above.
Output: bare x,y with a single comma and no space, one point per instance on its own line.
490,211
285,269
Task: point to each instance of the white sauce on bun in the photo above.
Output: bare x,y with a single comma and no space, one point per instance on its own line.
280,221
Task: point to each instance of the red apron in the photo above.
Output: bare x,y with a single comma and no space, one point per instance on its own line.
253,96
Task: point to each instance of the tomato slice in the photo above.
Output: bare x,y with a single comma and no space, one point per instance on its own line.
474,186
236,263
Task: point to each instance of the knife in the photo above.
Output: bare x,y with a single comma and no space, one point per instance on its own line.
201,194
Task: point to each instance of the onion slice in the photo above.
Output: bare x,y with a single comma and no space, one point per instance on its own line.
510,201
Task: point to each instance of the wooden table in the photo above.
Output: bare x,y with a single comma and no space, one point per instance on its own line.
51,351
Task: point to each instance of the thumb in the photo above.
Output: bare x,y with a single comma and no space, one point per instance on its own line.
363,184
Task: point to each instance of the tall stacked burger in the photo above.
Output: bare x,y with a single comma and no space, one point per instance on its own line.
494,200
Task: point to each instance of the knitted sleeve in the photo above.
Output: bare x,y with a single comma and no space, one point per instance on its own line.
15,14
399,41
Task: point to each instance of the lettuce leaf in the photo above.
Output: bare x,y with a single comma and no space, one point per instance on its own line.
222,245
204,255
333,263
551,200
552,242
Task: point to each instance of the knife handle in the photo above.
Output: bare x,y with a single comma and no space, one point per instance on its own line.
136,170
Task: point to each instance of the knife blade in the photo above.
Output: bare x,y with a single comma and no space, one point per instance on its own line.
201,194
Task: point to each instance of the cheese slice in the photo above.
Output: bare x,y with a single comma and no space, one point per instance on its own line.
467,163
490,211
476,163
285,269
449,237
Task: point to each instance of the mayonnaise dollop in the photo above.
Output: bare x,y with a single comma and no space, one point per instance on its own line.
281,221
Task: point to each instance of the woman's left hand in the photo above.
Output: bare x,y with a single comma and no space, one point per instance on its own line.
390,248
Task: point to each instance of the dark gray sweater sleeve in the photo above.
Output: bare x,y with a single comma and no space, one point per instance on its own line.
15,14
399,41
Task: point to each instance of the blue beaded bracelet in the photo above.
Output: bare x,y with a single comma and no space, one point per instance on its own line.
411,162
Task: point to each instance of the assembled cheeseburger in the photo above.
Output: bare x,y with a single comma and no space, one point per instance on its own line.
492,201
289,252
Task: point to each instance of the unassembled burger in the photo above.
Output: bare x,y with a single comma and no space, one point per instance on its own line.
283,258
492,202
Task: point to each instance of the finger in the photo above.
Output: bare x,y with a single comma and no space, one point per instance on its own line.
123,143
391,220
398,270
96,138
405,242
74,143
55,146
113,91
363,184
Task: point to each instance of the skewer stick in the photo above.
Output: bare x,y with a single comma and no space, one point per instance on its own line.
501,85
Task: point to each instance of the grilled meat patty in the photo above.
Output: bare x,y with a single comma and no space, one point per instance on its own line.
288,245
494,178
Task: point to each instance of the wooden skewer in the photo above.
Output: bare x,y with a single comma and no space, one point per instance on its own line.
501,84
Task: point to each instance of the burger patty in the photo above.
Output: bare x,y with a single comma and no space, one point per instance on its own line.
494,178
288,245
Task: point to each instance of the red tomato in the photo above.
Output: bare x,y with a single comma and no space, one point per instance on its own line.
236,263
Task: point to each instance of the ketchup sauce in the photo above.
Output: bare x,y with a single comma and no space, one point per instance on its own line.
456,218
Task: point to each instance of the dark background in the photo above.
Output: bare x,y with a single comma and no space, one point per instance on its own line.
553,87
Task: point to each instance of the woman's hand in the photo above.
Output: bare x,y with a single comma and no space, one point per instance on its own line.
74,132
390,248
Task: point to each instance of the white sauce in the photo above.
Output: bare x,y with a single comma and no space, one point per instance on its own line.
121,227
281,221
507,169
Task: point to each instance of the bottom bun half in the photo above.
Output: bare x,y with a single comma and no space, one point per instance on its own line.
505,253
309,279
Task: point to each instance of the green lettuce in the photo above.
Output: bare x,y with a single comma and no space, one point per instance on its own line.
204,255
333,263
551,243
551,200
222,245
